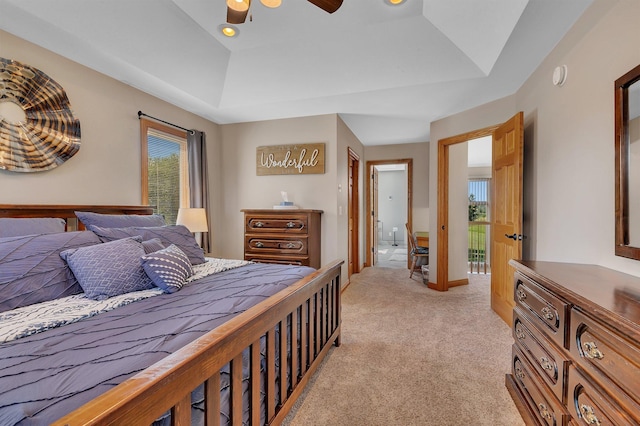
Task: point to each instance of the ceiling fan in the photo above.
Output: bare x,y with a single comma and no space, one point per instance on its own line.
237,10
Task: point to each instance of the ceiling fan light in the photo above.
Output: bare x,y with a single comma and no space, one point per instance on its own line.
271,3
239,5
394,2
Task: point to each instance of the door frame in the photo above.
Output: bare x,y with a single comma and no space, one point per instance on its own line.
369,208
353,212
442,279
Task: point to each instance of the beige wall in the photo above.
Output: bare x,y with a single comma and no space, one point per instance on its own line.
569,191
106,169
243,189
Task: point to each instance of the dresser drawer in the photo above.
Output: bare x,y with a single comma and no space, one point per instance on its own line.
284,245
541,402
613,361
293,223
589,405
547,312
283,260
548,361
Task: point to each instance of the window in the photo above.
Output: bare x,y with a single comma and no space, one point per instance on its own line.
478,200
479,229
165,173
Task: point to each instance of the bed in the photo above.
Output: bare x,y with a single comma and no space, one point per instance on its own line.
187,360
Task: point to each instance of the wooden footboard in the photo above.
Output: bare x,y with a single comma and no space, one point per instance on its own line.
311,312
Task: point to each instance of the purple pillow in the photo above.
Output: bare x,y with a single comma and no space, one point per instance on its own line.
119,220
31,270
152,245
168,268
171,234
109,269
16,227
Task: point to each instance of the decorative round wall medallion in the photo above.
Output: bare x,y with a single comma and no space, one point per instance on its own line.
46,134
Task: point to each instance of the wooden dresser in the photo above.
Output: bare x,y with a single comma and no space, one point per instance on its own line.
576,356
282,236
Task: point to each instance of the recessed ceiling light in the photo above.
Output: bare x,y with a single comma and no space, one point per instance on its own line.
229,30
394,2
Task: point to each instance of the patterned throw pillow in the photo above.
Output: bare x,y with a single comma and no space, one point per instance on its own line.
168,268
109,269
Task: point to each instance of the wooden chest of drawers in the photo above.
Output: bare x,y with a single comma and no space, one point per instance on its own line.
282,236
576,356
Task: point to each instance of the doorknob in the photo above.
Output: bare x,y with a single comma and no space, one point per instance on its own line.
515,237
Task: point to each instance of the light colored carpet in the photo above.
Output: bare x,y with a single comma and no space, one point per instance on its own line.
398,257
412,356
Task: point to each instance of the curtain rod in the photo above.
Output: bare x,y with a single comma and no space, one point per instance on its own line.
141,114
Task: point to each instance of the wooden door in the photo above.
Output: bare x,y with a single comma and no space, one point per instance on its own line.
353,210
374,215
506,212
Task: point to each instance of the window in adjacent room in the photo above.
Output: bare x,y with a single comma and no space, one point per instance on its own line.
479,229
165,174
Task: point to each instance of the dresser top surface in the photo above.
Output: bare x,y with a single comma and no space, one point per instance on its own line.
607,294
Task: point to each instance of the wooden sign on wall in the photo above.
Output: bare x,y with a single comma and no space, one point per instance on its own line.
290,159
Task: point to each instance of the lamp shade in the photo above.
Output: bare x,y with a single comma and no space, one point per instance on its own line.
195,219
271,3
239,5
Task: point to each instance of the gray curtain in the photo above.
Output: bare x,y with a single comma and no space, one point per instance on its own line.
198,177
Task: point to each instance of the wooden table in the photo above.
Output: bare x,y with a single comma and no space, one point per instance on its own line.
422,239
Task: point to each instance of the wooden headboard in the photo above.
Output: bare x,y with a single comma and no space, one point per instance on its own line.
67,212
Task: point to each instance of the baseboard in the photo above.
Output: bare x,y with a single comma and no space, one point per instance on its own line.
456,283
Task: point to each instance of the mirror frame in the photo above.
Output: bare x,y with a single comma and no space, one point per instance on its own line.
622,163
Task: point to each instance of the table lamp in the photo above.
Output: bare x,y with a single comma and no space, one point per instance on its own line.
194,219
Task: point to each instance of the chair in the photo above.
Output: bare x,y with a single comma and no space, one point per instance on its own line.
416,251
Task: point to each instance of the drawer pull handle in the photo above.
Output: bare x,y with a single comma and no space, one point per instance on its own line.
544,411
546,364
291,225
258,224
519,333
259,244
521,295
591,350
548,313
519,373
588,415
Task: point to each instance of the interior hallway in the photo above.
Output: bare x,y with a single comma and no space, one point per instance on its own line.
390,256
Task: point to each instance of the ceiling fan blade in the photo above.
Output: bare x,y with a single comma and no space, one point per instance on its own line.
235,17
328,6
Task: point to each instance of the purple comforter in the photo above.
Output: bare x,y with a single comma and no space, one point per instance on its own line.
47,375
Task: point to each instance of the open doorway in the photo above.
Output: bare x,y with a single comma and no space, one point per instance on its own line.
389,207
479,209
506,210
452,146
